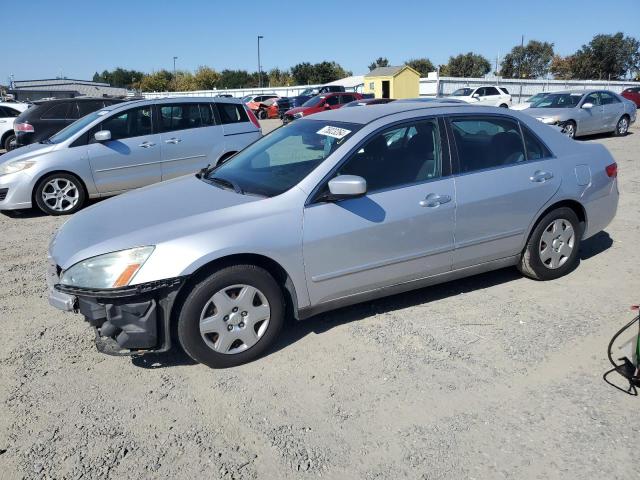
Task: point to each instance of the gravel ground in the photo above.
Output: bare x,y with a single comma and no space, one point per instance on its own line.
494,376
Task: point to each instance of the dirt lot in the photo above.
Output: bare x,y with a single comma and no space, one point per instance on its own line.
495,376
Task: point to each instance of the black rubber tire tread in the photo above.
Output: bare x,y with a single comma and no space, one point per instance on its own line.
189,317
45,208
530,264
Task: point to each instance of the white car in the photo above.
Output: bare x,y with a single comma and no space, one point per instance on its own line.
8,113
485,95
529,101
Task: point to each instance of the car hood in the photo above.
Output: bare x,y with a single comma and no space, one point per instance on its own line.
291,111
27,152
521,106
557,113
147,216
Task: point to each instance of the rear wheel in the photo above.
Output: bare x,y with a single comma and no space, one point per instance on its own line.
231,317
9,139
552,249
504,105
60,194
622,127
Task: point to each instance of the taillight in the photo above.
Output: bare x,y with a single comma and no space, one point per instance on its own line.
612,170
252,117
23,127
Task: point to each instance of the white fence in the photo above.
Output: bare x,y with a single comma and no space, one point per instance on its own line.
431,86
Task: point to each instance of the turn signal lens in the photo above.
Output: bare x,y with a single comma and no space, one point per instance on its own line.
126,275
612,170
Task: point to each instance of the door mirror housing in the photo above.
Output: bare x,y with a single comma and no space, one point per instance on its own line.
475,95
587,105
347,186
327,106
102,136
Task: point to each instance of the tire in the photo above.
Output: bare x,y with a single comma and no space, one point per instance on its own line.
541,264
622,127
569,129
8,140
262,114
213,298
504,105
71,199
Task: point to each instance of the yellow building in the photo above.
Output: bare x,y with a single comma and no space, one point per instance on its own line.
393,82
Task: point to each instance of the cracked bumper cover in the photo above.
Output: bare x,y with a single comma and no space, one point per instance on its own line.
127,321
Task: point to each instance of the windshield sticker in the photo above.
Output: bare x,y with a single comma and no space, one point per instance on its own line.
335,132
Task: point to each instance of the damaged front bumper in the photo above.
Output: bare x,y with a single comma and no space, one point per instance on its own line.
128,320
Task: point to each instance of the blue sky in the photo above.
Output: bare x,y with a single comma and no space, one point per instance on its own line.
76,38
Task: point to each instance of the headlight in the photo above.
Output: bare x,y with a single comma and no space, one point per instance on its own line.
546,120
15,166
111,270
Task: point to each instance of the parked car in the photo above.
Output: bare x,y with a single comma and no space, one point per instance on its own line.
338,208
632,94
47,117
248,99
287,103
320,103
268,109
8,113
122,147
585,112
529,101
369,101
486,95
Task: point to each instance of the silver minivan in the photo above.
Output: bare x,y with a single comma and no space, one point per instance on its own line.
123,147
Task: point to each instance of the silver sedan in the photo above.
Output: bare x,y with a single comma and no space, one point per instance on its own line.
585,112
338,208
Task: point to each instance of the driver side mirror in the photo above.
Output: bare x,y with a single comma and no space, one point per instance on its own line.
475,95
102,136
327,106
347,186
587,105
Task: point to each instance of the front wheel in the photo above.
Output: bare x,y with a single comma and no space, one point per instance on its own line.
231,317
622,127
60,194
552,249
504,105
569,129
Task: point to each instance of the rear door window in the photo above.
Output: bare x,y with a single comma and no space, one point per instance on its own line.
57,111
347,98
332,100
487,142
231,113
491,91
8,112
179,117
206,113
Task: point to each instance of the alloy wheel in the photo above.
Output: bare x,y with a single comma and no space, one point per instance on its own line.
569,130
623,126
556,243
234,319
60,194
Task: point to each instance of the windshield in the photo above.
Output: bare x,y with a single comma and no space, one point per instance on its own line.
309,91
247,98
312,102
462,92
75,127
536,97
281,159
558,100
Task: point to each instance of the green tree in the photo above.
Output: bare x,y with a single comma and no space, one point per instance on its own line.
183,82
303,73
562,67
422,65
156,81
607,56
466,65
530,61
205,78
237,79
119,77
379,62
279,78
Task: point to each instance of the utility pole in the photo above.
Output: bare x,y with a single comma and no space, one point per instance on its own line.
520,68
259,66
174,67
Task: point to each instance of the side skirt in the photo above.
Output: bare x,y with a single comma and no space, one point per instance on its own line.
307,312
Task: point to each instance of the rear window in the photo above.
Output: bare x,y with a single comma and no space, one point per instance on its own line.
57,111
232,113
504,90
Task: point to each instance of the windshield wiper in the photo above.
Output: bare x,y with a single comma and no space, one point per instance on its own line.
227,183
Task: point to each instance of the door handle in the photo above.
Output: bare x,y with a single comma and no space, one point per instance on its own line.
3,121
433,200
146,144
173,140
540,176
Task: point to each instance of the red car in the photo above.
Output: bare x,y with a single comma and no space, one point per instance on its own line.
632,94
320,103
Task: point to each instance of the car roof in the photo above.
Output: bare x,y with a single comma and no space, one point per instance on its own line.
165,100
75,99
374,112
